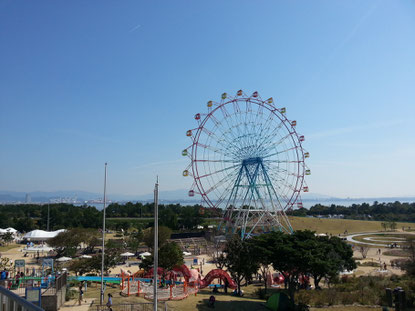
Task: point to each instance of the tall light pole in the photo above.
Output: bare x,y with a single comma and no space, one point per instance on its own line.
47,229
156,241
103,237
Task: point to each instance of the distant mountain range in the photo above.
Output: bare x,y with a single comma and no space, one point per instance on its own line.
173,196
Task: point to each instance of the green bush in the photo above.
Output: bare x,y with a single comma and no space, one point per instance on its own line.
304,296
260,293
302,307
70,294
347,298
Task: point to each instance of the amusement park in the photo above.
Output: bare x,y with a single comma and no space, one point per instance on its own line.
247,165
207,155
247,161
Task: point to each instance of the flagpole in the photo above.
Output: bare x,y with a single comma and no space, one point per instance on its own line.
156,229
47,229
103,237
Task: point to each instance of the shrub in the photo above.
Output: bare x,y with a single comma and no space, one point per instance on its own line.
70,294
260,293
304,296
302,307
320,299
347,298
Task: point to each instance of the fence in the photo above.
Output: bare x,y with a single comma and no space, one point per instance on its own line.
56,285
18,286
49,284
144,306
9,301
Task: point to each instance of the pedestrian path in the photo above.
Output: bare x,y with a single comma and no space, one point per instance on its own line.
72,305
389,240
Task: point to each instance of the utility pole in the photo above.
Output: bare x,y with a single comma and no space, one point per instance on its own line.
101,301
156,241
47,229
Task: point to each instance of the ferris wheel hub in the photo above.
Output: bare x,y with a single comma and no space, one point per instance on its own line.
252,161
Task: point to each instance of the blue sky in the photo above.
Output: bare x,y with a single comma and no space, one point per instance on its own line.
84,82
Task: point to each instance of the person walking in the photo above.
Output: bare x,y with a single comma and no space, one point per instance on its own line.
81,293
109,302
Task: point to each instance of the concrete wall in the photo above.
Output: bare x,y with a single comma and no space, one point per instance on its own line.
54,302
49,303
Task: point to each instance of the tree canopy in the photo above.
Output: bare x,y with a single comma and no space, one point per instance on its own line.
240,260
396,211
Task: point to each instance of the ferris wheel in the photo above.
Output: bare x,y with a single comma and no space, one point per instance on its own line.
247,159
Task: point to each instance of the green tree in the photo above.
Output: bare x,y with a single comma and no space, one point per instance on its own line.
262,249
93,265
66,243
240,260
409,265
91,238
169,256
134,240
164,235
190,217
24,224
291,256
168,218
7,237
80,266
5,263
330,256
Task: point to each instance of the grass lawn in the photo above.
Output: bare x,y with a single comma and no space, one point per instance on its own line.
5,248
350,308
385,238
224,302
336,226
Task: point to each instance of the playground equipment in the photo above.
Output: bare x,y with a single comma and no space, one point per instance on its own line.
277,279
217,274
130,283
247,158
172,287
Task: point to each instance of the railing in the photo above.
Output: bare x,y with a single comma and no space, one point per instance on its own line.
55,285
19,286
140,306
9,301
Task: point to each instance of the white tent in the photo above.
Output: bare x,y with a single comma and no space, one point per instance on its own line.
186,253
145,254
85,256
127,254
63,259
8,230
40,235
34,249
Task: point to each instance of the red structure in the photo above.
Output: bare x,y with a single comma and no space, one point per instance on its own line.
217,274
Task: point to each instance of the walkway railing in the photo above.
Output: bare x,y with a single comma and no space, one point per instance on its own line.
55,285
140,306
9,301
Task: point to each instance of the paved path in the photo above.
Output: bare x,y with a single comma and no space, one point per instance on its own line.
72,305
351,239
